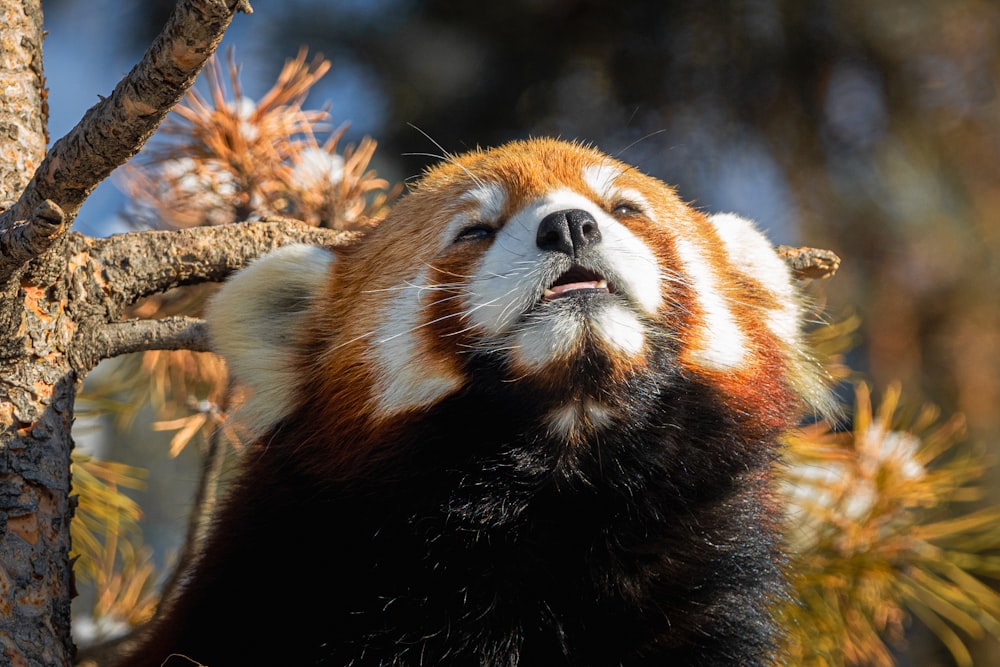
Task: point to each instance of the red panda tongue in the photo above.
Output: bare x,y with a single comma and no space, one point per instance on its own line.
559,290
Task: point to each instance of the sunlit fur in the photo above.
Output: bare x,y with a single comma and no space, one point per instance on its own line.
256,323
529,419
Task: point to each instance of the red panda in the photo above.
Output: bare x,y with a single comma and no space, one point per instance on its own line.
529,419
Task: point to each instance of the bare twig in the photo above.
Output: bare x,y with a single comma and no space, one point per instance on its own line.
142,263
809,263
27,239
116,338
114,130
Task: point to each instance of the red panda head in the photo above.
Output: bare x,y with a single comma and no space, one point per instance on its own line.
556,266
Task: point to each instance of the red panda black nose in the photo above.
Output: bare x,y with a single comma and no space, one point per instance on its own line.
571,231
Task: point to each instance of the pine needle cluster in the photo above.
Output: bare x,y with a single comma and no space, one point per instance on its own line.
224,157
879,533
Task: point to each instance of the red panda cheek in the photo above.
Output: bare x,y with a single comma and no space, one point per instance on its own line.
413,365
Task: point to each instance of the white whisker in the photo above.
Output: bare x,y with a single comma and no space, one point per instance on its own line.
445,156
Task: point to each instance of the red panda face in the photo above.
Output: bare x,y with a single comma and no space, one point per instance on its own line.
564,269
533,274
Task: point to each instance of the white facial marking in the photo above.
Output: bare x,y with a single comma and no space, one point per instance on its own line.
491,198
601,178
508,281
720,344
634,197
543,341
597,413
619,328
406,379
752,255
566,421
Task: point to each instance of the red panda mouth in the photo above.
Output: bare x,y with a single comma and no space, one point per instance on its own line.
576,280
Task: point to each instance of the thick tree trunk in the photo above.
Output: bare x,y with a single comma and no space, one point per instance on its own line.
37,392
37,386
23,111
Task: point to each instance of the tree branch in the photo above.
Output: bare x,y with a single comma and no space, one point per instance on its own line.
142,263
117,338
27,239
114,130
808,263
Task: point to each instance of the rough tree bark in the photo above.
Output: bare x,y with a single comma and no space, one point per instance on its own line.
62,295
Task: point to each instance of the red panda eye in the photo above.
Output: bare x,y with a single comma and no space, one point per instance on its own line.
476,232
624,209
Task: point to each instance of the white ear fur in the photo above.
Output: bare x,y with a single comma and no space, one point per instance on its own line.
253,321
752,254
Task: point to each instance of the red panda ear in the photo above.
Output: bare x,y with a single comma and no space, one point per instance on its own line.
751,253
253,320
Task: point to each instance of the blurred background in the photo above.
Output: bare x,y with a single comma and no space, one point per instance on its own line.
869,128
